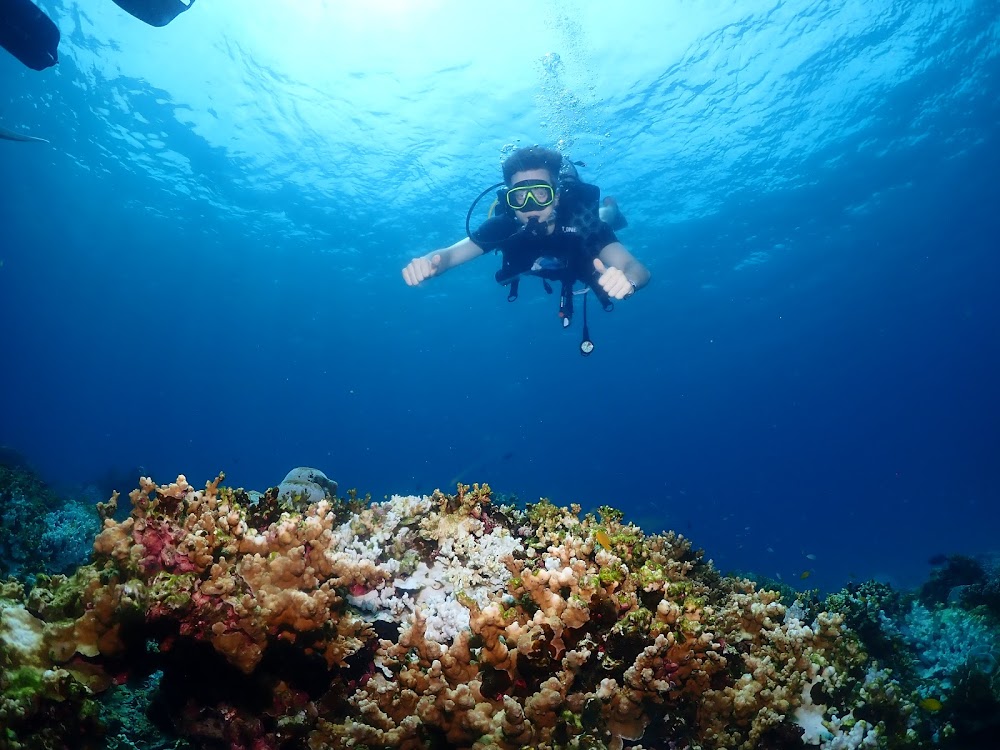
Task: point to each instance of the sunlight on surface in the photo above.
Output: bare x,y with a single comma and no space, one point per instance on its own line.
722,95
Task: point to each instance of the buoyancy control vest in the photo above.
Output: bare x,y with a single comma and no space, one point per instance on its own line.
565,256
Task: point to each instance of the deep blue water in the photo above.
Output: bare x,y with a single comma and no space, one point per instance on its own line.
202,271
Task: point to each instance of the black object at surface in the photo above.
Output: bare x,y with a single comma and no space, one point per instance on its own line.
28,34
154,12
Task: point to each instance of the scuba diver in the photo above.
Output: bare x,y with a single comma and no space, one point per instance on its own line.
546,222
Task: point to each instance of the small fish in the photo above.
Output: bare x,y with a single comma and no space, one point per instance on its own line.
603,539
931,704
770,549
805,574
810,557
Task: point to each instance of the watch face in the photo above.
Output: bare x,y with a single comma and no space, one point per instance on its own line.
586,347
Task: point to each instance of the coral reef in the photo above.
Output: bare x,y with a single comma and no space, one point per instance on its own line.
970,582
292,618
24,502
957,573
947,641
68,536
41,532
44,703
943,658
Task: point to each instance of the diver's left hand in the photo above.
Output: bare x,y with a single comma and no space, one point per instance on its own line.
613,281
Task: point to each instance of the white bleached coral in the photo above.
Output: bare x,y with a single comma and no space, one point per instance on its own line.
835,733
428,559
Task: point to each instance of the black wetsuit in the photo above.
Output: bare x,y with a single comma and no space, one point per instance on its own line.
565,255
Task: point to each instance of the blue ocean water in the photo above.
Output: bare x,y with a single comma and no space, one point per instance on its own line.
201,271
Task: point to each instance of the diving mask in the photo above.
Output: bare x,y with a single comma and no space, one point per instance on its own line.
541,194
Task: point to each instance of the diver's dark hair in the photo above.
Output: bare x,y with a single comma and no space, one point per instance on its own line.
532,157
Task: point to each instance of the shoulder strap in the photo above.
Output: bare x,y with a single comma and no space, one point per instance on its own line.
580,206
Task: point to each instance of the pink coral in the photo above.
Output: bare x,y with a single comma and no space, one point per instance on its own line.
595,634
159,544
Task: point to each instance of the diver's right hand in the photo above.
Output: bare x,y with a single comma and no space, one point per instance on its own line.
421,268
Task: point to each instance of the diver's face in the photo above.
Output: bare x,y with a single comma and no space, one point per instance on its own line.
544,215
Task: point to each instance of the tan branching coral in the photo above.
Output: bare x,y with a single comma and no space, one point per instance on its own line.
497,628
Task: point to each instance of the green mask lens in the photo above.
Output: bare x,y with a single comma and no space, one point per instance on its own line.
541,194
